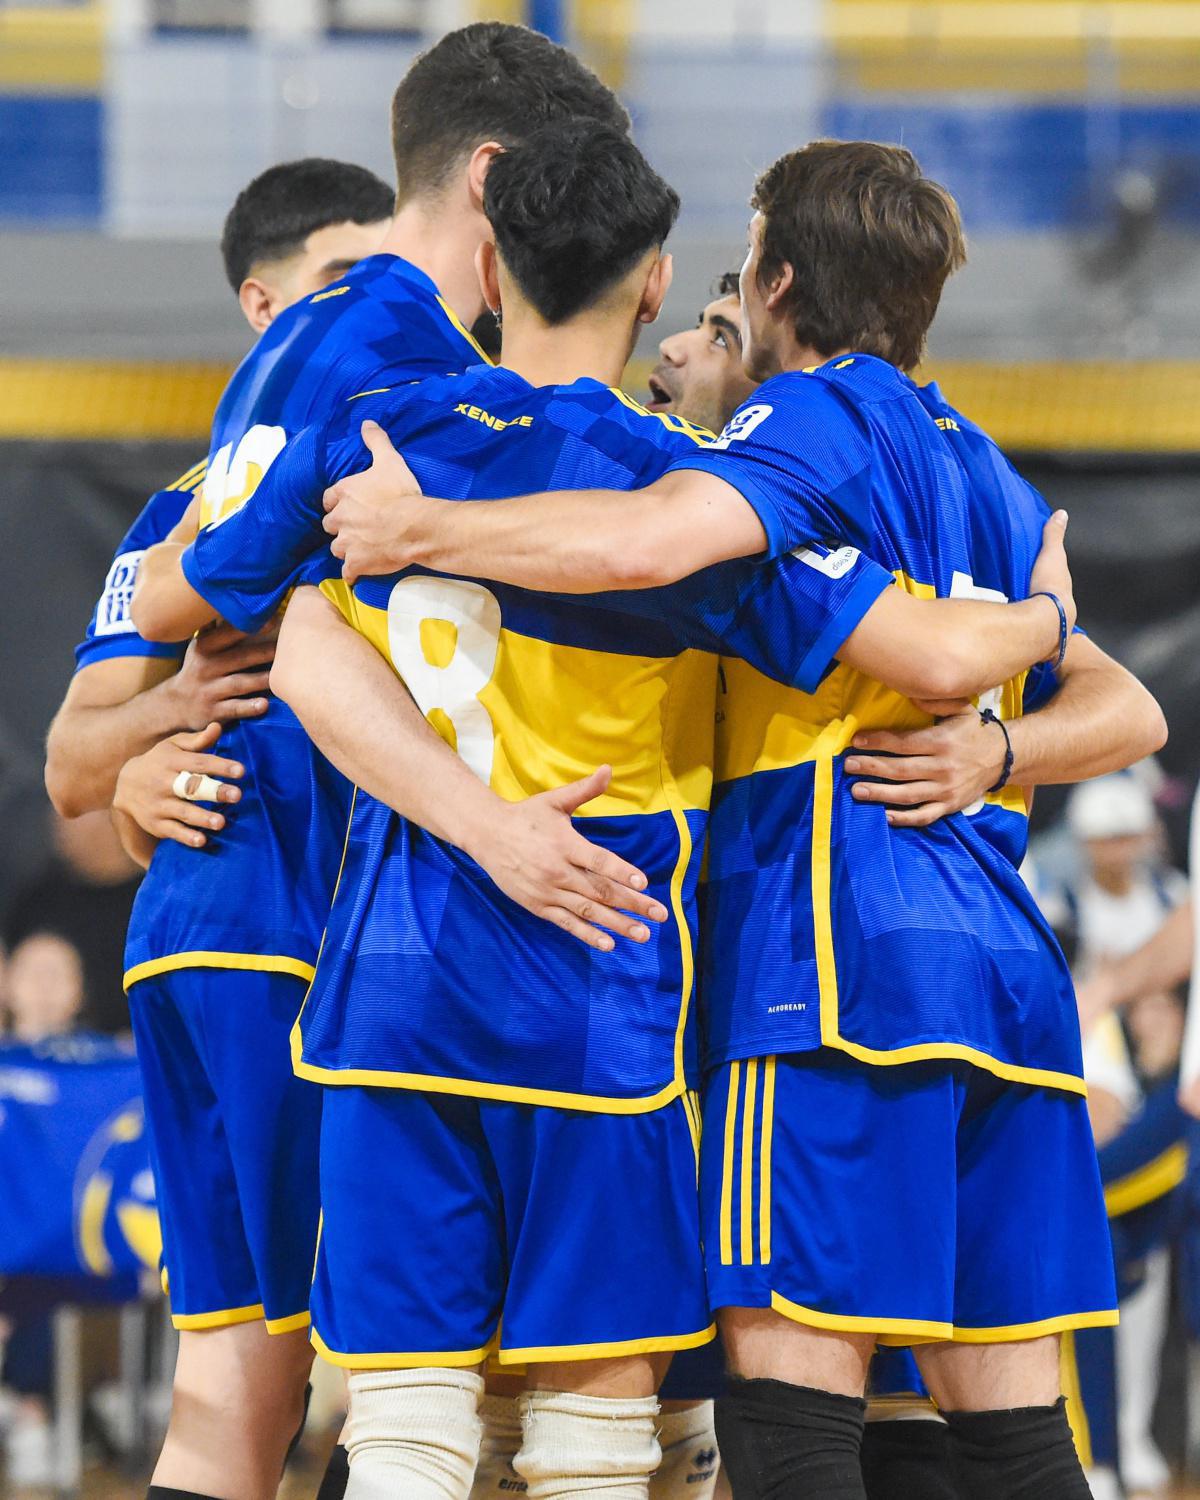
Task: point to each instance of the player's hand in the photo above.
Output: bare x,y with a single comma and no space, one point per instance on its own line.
1051,572
932,772
145,788
535,855
369,514
224,676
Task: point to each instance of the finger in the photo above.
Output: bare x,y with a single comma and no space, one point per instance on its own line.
884,741
218,637
239,684
904,794
242,708
619,897
180,833
919,817
893,767
195,815
577,793
331,523
199,739
378,442
211,765
569,922
351,566
599,915
246,655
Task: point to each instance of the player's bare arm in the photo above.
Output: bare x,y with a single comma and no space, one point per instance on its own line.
359,713
1102,719
165,606
117,709
146,798
591,540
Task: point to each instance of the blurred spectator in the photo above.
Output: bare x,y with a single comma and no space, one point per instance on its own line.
44,987
84,894
1125,892
43,997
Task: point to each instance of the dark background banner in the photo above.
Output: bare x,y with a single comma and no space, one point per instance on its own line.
1134,540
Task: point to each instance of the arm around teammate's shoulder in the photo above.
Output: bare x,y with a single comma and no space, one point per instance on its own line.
566,541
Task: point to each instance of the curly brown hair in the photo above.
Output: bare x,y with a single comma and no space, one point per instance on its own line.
870,242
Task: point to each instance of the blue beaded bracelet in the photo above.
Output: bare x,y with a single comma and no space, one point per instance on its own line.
1064,633
988,717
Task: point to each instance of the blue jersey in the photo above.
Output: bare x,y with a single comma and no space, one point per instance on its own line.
429,976
826,926
256,896
111,631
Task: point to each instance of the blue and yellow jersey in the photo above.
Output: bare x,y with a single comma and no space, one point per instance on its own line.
256,896
429,976
826,926
111,631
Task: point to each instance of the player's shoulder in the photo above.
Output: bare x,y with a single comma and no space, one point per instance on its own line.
798,411
164,509
605,415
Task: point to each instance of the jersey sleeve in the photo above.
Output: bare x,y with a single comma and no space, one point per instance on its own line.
245,565
801,458
111,631
799,611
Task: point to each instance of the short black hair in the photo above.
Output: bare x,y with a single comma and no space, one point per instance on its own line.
487,82
573,211
728,284
276,213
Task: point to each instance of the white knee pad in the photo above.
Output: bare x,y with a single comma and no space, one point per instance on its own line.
414,1433
600,1446
495,1477
690,1462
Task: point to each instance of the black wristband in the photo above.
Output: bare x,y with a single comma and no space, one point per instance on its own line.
1063,630
988,717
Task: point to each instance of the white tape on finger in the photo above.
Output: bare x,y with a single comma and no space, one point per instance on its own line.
195,788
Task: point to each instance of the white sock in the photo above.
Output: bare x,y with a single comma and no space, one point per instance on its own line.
413,1433
690,1462
601,1446
502,1434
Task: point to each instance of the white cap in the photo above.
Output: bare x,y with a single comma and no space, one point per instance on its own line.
1111,807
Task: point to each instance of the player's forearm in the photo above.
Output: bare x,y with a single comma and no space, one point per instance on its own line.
361,716
165,607
590,541
1101,719
87,746
943,649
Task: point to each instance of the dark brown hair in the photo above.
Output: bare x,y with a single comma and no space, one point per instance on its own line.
487,82
870,242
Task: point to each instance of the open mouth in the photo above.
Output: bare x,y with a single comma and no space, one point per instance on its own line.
660,397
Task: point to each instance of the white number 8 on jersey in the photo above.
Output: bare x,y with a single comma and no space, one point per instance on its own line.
447,669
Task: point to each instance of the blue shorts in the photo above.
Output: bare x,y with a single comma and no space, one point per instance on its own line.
234,1140
922,1201
456,1228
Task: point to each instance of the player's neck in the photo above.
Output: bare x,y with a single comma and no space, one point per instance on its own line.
562,355
443,246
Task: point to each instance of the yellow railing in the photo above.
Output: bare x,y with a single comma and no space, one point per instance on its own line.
1026,46
55,50
1146,407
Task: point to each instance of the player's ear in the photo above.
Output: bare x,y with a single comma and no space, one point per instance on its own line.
779,285
258,303
658,284
488,272
477,168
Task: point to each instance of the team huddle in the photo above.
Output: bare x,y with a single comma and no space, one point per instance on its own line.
606,933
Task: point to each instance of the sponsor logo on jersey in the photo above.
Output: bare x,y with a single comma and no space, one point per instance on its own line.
743,423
